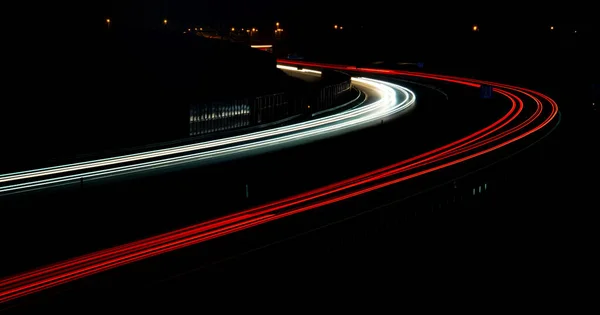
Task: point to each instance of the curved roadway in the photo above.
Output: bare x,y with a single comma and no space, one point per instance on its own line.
387,100
517,123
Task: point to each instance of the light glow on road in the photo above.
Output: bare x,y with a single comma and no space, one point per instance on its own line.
393,99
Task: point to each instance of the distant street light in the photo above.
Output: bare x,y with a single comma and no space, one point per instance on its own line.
335,26
165,21
108,23
277,24
341,27
552,28
475,28
233,29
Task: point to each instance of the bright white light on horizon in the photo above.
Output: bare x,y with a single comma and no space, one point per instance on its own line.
300,70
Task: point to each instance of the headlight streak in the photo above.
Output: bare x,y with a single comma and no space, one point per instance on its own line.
493,137
387,106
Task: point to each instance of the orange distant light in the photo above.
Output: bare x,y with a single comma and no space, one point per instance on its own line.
475,28
551,27
165,21
335,26
107,20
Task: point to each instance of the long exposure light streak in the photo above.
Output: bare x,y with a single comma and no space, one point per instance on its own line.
509,128
393,99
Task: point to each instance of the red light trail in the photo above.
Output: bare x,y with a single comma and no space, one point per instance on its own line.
499,134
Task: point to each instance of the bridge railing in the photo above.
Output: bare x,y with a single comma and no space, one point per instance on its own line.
330,94
221,116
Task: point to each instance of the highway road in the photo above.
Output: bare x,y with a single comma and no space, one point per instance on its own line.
386,100
530,115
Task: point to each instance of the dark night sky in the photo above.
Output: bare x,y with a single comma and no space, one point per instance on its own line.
374,10
308,12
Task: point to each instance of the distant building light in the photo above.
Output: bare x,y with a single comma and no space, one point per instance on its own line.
341,27
189,29
277,24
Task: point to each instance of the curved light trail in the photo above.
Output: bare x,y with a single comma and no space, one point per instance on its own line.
393,99
515,125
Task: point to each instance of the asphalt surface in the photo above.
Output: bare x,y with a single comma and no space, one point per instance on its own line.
222,189
47,211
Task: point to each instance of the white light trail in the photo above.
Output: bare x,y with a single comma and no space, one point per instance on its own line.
254,142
